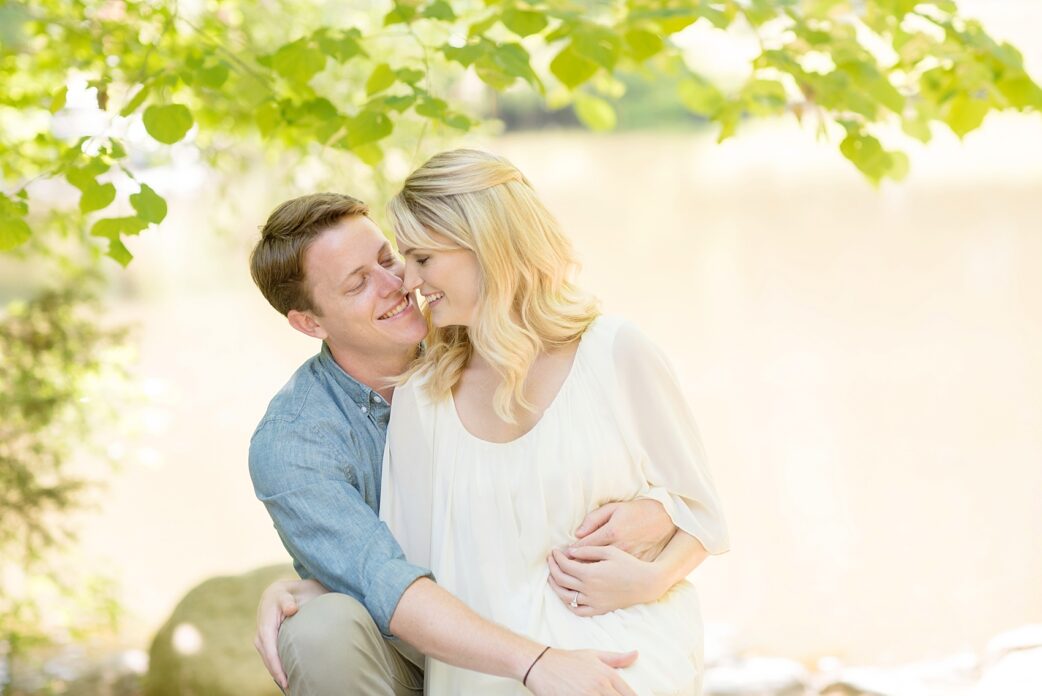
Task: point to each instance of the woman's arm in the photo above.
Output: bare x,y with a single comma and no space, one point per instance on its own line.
662,436
604,578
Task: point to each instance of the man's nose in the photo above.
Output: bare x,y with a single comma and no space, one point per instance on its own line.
390,280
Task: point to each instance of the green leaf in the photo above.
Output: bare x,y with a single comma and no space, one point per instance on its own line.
84,177
137,101
367,127
439,9
1020,90
150,206
563,31
482,26
340,46
571,68
868,155
112,228
643,44
764,97
432,107
409,76
267,117
523,22
13,233
116,149
298,61
464,55
594,112
598,45
514,60
729,116
58,100
965,113
321,117
898,166
492,74
370,153
381,78
400,14
917,127
168,123
97,196
458,121
212,76
119,252
397,103
699,96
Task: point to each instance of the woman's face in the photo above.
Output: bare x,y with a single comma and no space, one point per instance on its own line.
450,280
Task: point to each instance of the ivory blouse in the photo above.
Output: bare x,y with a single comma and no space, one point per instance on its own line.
484,516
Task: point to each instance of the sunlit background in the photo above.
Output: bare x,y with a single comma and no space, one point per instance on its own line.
865,365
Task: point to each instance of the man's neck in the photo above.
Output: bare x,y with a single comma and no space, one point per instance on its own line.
374,371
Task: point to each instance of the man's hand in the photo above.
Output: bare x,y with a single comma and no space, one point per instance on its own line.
281,600
641,528
580,673
601,579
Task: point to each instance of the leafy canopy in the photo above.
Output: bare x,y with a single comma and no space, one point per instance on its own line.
306,78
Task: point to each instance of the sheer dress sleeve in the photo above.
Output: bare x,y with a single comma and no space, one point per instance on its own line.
666,440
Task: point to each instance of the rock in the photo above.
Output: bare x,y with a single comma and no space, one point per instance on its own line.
953,675
756,676
206,646
1014,664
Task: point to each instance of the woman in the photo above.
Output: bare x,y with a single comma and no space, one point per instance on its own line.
526,411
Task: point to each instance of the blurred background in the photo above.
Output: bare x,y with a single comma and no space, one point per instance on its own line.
865,363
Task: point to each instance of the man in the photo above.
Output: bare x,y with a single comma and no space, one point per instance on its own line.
315,461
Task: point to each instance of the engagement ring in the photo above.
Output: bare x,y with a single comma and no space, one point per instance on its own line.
575,601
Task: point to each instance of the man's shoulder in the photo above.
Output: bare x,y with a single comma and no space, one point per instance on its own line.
303,388
304,424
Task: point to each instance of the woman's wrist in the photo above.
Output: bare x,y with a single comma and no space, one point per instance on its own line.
663,577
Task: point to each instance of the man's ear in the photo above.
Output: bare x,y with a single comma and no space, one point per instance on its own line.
306,323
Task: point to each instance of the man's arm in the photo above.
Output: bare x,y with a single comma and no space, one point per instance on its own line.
432,620
335,535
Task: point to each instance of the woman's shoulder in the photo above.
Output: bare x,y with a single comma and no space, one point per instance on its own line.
619,336
413,392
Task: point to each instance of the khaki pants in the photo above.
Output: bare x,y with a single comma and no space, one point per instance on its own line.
331,647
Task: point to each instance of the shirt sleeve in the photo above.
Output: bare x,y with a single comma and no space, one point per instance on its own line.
323,520
666,439
408,477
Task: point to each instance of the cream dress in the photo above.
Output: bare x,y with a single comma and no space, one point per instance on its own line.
483,516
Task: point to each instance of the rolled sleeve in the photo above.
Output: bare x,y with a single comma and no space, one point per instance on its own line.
325,522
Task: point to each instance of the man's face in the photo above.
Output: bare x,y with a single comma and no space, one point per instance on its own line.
355,281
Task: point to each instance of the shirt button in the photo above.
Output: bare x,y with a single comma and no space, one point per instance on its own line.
365,409
378,400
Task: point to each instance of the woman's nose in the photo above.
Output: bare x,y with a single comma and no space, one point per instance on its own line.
412,276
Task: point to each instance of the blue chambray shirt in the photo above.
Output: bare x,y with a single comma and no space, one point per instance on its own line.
316,460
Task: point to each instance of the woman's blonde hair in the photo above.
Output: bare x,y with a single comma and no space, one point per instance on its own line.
528,301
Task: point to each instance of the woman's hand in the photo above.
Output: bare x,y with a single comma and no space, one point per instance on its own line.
604,577
639,527
281,600
580,673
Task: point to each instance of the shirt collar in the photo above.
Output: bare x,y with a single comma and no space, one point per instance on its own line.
364,396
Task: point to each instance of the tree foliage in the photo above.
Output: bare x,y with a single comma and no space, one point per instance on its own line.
304,77
55,367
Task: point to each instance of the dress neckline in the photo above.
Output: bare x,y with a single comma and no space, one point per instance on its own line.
568,379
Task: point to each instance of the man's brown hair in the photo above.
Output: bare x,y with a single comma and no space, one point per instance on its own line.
277,262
